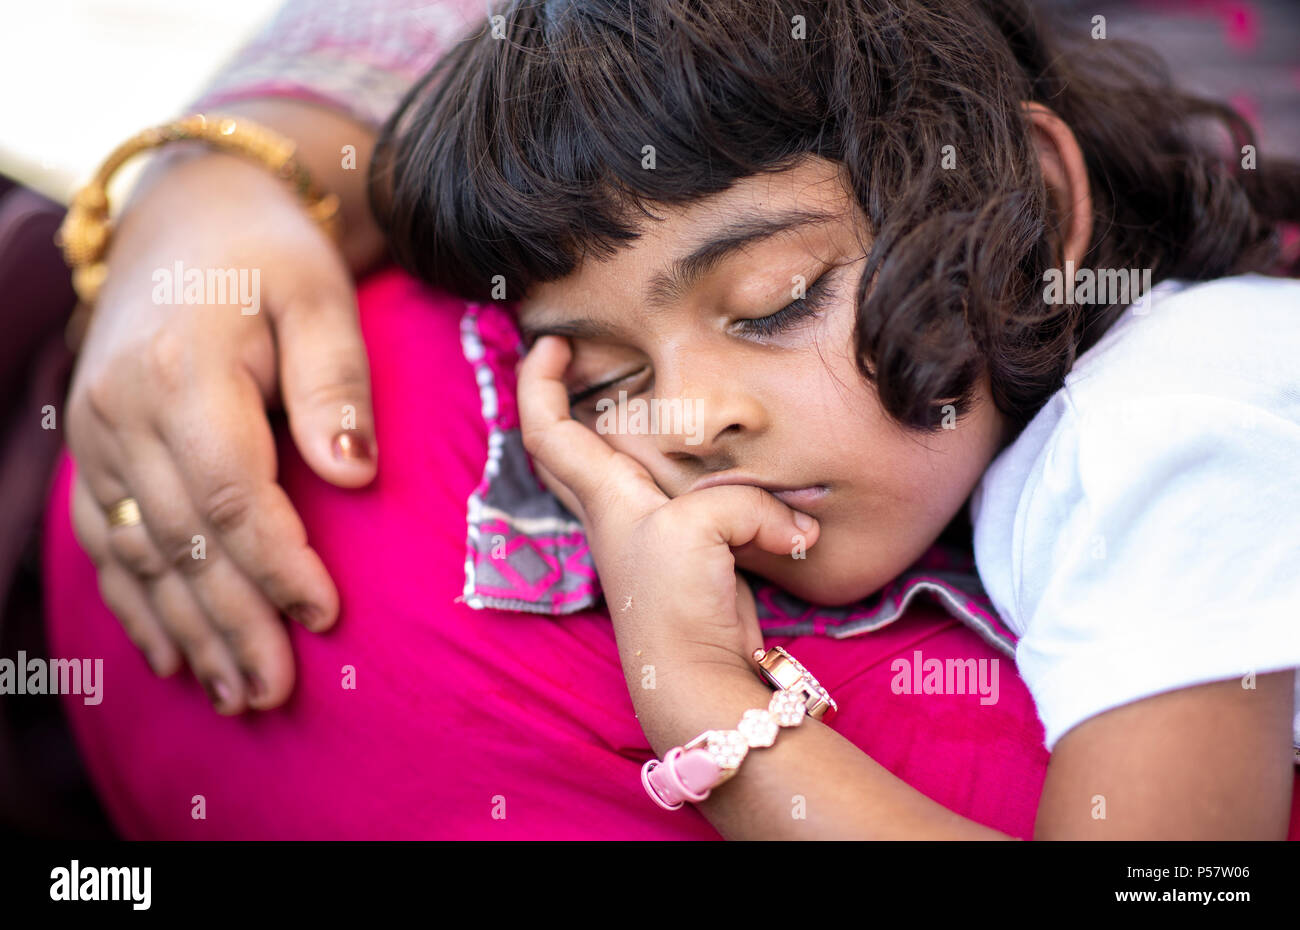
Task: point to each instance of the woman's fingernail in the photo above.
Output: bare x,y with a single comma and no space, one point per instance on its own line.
351,447
803,521
218,693
256,686
306,614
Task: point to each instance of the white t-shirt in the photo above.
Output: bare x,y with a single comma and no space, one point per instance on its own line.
1142,534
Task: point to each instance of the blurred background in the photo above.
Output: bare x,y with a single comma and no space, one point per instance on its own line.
81,75
77,77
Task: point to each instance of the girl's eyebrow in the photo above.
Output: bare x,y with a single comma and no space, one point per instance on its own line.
684,273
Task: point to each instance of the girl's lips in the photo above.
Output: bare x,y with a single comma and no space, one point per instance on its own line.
802,498
798,498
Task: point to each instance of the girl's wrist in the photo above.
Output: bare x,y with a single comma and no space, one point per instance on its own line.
674,704
649,623
670,650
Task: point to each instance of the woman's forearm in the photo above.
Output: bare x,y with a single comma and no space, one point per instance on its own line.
322,136
327,75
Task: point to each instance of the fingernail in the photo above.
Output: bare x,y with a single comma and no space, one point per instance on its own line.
256,686
218,693
306,614
351,447
803,521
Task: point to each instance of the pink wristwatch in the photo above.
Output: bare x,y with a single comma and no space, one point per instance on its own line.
691,772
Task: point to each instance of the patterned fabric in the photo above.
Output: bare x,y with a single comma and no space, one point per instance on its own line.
355,56
526,552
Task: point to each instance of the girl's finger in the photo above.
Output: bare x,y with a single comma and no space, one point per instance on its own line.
575,455
741,515
747,611
557,488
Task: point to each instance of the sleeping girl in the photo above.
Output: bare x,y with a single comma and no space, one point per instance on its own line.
834,234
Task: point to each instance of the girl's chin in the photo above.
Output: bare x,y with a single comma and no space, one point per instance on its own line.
800,578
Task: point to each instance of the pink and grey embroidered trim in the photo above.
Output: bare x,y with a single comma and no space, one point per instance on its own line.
525,550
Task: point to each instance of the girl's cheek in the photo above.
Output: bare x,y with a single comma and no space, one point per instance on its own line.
643,450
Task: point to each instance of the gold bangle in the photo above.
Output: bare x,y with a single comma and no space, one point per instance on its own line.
86,230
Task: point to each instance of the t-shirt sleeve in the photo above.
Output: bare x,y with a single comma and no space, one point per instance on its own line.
1157,548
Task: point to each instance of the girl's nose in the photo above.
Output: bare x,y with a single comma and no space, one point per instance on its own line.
705,417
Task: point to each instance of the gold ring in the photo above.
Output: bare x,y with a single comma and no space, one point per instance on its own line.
125,512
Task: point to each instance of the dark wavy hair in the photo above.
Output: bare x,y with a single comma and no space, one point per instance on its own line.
520,155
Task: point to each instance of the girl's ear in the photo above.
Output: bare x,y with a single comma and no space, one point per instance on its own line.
1066,177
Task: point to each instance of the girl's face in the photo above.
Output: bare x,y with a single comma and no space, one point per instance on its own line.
697,311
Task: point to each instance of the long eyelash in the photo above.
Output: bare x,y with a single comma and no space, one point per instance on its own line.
793,312
582,393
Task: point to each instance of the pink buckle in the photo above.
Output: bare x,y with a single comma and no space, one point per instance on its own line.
666,782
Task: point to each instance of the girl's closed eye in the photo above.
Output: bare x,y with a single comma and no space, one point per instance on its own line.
582,392
795,312
787,318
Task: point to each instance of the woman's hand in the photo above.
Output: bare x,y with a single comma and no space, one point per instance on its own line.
666,565
167,406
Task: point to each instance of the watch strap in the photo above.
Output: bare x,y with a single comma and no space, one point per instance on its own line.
681,777
691,772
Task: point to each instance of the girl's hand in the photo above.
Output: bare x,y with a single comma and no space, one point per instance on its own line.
666,564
